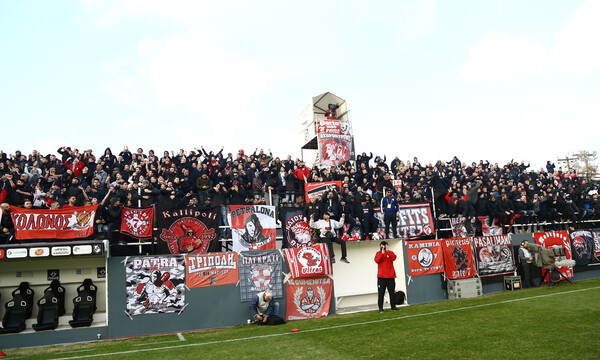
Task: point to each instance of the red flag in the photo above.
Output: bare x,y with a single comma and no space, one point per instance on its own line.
458,258
70,223
137,222
309,261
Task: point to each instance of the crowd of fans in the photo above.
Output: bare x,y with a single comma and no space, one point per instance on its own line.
506,193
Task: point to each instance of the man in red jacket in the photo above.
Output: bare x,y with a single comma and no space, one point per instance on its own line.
386,275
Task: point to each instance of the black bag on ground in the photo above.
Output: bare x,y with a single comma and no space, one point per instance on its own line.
275,320
399,297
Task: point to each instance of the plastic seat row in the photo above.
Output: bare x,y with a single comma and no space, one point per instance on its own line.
50,307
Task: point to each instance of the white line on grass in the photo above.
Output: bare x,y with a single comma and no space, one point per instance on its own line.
327,328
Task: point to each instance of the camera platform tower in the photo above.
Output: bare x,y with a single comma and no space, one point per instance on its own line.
314,123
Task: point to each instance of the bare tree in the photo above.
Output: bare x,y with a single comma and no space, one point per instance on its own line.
583,161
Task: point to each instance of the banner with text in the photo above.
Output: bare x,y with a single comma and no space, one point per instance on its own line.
312,190
415,221
137,222
494,255
70,223
596,235
558,238
296,232
187,230
155,284
308,297
425,257
211,269
458,258
488,227
309,261
334,149
259,271
253,227
582,246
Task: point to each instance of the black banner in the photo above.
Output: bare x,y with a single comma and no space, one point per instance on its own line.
187,230
296,232
582,246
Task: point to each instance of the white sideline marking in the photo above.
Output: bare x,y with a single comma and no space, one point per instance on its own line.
181,338
326,328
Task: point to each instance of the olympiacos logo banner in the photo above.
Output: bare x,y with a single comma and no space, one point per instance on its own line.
309,261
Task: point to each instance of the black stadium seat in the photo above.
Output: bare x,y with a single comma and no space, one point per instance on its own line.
59,292
47,318
84,305
15,315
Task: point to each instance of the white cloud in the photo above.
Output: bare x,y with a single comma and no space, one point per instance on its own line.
499,57
576,50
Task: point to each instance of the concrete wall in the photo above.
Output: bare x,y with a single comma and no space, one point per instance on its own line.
355,285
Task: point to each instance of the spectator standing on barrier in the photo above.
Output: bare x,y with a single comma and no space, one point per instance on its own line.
327,227
390,210
386,275
526,259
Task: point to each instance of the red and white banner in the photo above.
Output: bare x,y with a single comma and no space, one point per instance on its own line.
211,269
308,298
309,261
458,258
488,227
558,238
425,257
415,221
137,222
313,190
70,223
334,149
253,227
397,183
331,126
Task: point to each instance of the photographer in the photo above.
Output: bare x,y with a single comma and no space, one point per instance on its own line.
386,275
331,112
326,228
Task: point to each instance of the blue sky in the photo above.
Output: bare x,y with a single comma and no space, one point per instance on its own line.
489,80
